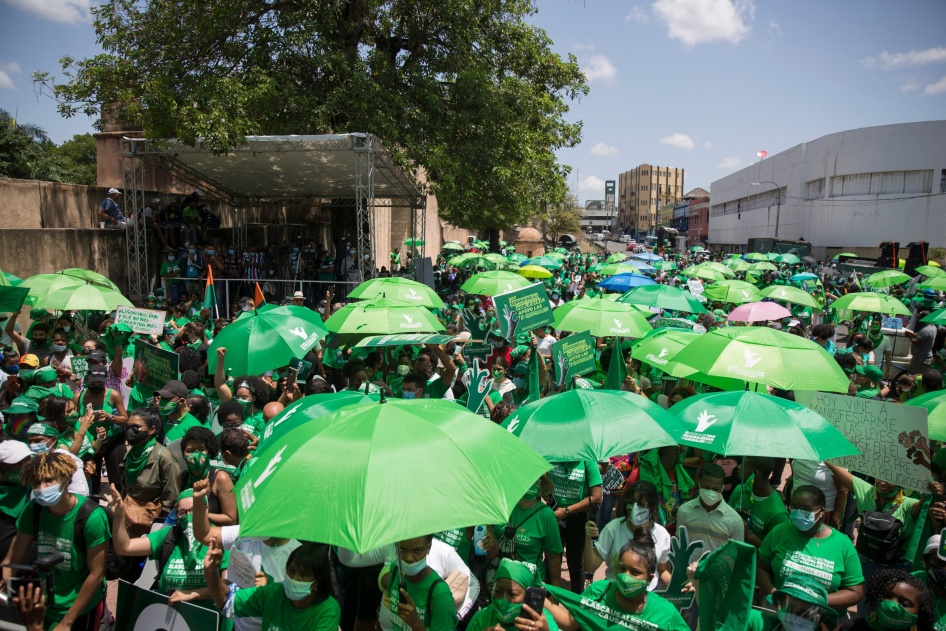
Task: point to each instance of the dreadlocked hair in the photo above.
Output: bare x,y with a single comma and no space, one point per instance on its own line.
51,465
879,585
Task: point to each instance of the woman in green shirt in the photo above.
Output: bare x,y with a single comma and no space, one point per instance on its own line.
898,602
507,609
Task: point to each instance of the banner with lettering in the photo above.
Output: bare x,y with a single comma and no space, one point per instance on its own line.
573,356
142,609
523,310
154,366
148,321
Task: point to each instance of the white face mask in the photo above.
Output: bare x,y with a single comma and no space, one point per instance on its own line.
710,498
296,590
640,515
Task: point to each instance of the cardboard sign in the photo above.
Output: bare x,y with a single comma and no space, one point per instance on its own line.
681,555
405,339
696,286
154,366
478,387
142,609
893,439
476,324
80,367
523,310
147,321
243,568
573,356
12,298
477,349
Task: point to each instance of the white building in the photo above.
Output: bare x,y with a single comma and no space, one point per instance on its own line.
849,190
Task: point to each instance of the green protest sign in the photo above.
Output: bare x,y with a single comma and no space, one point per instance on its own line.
11,298
573,356
523,310
476,324
479,386
405,339
477,349
140,609
154,366
681,554
80,367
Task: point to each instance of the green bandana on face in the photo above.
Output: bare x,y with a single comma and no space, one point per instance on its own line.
891,615
197,464
169,407
506,611
630,586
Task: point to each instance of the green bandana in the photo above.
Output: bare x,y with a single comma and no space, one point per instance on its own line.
890,614
517,572
136,458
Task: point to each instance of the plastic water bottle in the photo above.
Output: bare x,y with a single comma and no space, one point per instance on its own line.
172,519
479,533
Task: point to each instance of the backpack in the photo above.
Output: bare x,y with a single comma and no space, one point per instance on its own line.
879,536
78,526
164,554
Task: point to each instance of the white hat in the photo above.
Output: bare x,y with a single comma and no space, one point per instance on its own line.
114,191
932,544
299,295
14,451
155,200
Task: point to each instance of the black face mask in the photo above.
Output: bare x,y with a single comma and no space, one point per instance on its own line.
135,435
96,387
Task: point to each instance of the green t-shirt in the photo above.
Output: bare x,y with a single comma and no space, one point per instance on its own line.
537,532
185,566
457,540
55,534
270,603
172,268
657,614
864,498
763,515
13,495
832,561
442,617
487,617
256,422
573,481
176,431
435,388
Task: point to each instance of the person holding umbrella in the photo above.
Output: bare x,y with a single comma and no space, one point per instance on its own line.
577,491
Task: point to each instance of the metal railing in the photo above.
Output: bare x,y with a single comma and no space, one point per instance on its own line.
231,289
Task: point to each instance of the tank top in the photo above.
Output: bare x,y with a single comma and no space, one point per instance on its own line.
111,429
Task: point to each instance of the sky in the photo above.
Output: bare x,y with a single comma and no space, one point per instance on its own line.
701,85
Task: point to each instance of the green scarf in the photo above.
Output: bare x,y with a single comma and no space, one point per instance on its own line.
135,460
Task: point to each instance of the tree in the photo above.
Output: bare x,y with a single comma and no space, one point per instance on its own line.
564,218
78,160
467,89
25,149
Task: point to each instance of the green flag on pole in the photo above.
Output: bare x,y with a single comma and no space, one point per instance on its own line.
617,370
535,387
210,294
727,581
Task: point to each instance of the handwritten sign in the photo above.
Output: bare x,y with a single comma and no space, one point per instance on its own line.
893,439
696,286
80,367
573,356
523,310
243,568
148,321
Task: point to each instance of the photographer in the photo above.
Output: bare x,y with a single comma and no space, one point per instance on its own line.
72,526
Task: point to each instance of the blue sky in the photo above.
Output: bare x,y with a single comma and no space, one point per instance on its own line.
697,84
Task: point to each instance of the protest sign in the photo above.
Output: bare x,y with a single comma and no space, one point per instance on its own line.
681,555
478,387
147,321
405,339
477,349
11,299
573,356
243,568
302,369
476,324
696,286
154,366
80,367
893,439
523,310
142,609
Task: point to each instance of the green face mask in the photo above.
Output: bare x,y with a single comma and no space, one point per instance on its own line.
498,374
506,611
892,615
197,464
72,418
168,407
630,586
532,493
195,345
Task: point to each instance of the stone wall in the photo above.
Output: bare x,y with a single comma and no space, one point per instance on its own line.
25,252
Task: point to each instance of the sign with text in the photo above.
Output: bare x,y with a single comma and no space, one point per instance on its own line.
148,321
696,286
893,439
523,310
11,299
80,367
243,568
573,356
154,366
142,609
477,349
405,339
476,324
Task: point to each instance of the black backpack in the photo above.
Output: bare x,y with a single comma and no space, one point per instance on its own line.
879,536
78,527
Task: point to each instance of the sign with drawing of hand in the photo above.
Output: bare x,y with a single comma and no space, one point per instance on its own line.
522,310
573,356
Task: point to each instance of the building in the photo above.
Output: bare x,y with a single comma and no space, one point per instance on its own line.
848,190
681,216
698,205
596,216
665,216
641,191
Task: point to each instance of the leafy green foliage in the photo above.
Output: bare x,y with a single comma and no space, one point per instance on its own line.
564,218
466,89
26,152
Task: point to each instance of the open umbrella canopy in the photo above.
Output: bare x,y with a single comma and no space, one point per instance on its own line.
41,285
601,318
759,312
704,273
496,258
545,261
561,250
398,288
641,266
10,280
756,424
647,256
837,256
763,355
931,271
659,349
373,457
790,294
872,302
412,242
624,282
477,262
664,297
458,260
788,259
719,267
493,283
935,405
697,248
534,271
764,266
937,283
267,338
612,269
311,408
664,266
88,276
381,316
558,256
804,276
936,317
754,256
887,278
591,425
450,245
518,258
86,296
617,257
734,291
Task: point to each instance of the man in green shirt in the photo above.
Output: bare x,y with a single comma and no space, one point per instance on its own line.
175,417
866,380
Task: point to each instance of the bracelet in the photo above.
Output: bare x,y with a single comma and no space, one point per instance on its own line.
568,511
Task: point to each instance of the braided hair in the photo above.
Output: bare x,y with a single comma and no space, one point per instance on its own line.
879,585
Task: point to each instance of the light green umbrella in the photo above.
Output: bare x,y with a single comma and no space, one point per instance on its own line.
85,296
766,356
493,283
546,261
764,266
794,295
458,260
601,318
719,267
937,283
478,261
741,266
591,425
397,288
735,291
381,316
518,258
935,405
412,242
369,475
664,297
936,317
612,269
617,257
756,424
771,256
498,259
930,271
836,256
450,245
697,248
659,349
732,261
534,271
872,302
704,273
887,278
40,285
664,266
788,259
561,250
10,280
754,256
88,275
311,408
558,256
267,338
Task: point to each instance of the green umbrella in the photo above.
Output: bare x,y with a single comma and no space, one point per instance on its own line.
936,317
617,257
267,338
450,245
503,244
493,283
478,261
705,273
937,283
794,295
740,266
311,408
734,291
697,248
754,256
788,259
558,256
935,405
508,266
763,355
591,425
872,302
86,296
756,424
458,260
719,267
518,258
613,269
412,242
664,266
498,259
836,256
40,285
771,256
405,289
887,278
10,280
930,271
664,297
381,316
601,318
88,275
659,349
546,261
732,261
765,266
369,475
561,251
534,271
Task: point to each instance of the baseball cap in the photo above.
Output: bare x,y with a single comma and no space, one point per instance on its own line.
173,388
31,361
45,374
870,371
808,590
155,200
13,452
97,356
37,313
114,191
932,545
96,374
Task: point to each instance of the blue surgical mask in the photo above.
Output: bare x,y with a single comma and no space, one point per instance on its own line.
67,328
408,394
49,496
296,590
803,520
232,252
39,448
413,569
519,382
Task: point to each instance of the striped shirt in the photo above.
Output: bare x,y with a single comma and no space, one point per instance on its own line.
713,528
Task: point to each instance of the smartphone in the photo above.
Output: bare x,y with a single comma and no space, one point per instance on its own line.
535,598
88,409
302,368
291,375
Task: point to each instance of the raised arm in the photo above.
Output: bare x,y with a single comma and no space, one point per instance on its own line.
220,377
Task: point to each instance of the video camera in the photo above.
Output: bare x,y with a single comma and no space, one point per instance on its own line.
40,573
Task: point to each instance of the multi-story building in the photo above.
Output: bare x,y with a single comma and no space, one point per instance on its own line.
697,225
596,217
641,191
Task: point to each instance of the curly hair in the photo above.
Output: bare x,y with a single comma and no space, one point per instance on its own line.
879,585
501,410
52,465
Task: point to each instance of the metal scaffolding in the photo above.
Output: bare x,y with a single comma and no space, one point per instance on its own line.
136,229
364,209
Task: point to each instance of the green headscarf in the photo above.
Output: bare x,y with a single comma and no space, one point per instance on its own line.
136,458
517,572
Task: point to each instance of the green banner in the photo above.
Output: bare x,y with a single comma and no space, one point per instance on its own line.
154,366
11,298
405,339
523,310
477,349
140,609
573,356
80,367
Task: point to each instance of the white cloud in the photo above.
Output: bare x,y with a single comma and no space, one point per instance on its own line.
910,85
678,140
935,88
591,184
604,149
774,28
583,47
894,61
730,163
597,67
6,81
638,14
707,144
68,11
702,21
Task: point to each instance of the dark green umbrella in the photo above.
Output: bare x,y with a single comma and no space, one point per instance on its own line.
664,297
381,316
935,404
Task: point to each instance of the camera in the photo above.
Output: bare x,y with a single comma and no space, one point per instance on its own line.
39,573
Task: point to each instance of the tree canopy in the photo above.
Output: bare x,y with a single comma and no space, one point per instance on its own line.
466,89
27,153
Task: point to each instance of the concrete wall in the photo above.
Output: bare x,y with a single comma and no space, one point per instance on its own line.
25,252
31,204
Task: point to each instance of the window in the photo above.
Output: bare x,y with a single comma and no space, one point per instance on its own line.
942,182
885,183
815,189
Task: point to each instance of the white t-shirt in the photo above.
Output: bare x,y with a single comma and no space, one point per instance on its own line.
818,474
616,533
544,345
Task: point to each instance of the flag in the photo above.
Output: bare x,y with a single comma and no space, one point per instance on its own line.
535,387
210,294
617,370
727,582
258,298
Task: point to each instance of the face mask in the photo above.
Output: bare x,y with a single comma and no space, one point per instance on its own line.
803,520
96,387
194,345
197,463
498,375
39,448
210,252
59,348
408,394
72,418
402,370
506,611
245,308
296,590
892,615
245,403
49,496
640,515
630,586
710,497
169,408
413,569
352,252
171,257
793,622
875,330
135,435
67,328
231,252
519,382
192,251
532,493
888,493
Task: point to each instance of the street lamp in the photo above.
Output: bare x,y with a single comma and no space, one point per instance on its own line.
778,201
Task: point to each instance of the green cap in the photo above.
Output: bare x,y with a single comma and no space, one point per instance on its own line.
870,371
516,571
523,338
37,313
46,374
41,429
808,590
22,405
